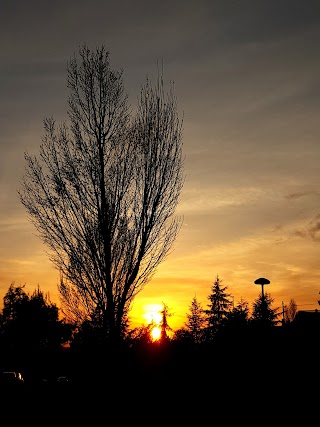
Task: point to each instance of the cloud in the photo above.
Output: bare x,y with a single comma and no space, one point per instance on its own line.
311,230
301,194
208,200
298,195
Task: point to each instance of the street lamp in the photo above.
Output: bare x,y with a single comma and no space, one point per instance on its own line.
262,281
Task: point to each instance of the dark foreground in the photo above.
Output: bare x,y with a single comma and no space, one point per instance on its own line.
257,381
274,386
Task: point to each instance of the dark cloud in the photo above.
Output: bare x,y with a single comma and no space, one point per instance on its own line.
261,20
300,194
312,230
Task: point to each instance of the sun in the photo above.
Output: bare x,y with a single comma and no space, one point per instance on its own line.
152,313
153,317
155,333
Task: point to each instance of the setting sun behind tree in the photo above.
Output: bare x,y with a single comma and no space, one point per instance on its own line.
155,333
153,317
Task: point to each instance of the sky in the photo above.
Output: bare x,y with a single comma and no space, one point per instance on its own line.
247,80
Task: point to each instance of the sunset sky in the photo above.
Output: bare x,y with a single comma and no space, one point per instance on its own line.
247,79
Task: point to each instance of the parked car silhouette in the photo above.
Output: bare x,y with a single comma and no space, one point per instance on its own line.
11,378
63,380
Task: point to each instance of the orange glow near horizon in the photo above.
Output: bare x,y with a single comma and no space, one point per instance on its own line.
177,290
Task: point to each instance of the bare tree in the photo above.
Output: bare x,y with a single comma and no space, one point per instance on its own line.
290,311
103,192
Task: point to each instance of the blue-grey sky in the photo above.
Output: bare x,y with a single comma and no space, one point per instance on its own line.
247,78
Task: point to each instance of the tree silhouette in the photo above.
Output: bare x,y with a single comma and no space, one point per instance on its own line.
141,334
290,311
164,325
30,324
195,321
263,315
238,317
103,192
12,301
219,307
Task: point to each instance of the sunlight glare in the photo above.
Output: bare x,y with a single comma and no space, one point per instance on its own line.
153,313
156,333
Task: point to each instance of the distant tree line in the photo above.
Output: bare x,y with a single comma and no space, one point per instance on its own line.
32,332
34,322
221,316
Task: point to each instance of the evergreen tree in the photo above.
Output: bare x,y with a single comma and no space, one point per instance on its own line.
195,321
164,325
140,335
263,315
182,336
218,309
31,323
12,300
238,317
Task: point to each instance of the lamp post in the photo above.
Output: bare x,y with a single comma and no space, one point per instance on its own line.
262,281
